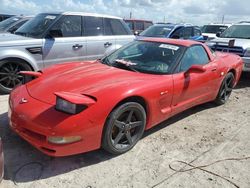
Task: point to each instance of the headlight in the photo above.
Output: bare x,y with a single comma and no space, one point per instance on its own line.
210,44
68,107
247,52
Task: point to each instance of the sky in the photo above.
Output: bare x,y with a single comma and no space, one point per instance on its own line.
198,12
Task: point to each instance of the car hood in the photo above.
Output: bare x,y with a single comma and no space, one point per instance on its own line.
10,40
90,78
244,43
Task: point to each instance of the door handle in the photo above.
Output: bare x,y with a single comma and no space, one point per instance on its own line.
214,69
77,46
107,44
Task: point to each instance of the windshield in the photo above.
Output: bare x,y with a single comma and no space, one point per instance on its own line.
8,22
237,31
37,26
157,31
214,28
146,57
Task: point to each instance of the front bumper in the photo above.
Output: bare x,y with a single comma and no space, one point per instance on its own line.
1,161
246,66
35,121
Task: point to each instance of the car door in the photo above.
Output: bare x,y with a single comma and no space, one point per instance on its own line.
192,88
65,42
98,38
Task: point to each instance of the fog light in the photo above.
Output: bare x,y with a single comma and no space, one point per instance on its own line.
63,140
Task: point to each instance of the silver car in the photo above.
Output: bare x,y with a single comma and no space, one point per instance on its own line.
51,38
236,40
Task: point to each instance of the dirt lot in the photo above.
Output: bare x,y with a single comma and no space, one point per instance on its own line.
199,136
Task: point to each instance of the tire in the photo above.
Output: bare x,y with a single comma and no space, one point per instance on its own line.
225,89
124,128
9,74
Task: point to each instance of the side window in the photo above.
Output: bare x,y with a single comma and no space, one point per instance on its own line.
187,32
195,55
15,27
197,32
68,26
93,26
107,27
178,33
117,27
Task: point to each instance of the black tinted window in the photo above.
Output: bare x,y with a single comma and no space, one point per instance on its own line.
197,32
93,26
114,27
187,32
195,55
68,26
178,33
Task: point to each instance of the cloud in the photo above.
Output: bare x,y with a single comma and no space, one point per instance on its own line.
192,11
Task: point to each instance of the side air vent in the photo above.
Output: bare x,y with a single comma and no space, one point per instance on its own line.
35,50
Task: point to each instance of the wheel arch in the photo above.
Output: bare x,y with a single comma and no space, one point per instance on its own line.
18,59
134,98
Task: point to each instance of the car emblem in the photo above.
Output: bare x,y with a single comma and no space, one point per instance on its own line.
23,100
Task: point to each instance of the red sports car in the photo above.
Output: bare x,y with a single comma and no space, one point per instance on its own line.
78,107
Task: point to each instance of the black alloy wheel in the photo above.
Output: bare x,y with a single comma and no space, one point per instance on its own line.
124,127
225,89
9,75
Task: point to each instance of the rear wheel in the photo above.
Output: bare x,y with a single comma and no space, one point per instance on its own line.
124,127
9,74
225,89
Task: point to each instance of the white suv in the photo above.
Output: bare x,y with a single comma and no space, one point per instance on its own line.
51,38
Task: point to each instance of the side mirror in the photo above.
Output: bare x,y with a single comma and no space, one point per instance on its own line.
54,33
136,33
195,69
218,34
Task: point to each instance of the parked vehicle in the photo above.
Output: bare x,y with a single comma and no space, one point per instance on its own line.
175,31
137,26
13,23
5,16
78,107
236,40
209,31
51,38
1,161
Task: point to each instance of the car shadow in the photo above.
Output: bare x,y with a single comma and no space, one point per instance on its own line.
244,81
23,163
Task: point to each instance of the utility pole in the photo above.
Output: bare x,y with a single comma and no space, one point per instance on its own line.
130,15
223,16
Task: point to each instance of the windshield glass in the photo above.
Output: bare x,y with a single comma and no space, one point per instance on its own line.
237,31
157,31
37,26
8,22
213,28
146,57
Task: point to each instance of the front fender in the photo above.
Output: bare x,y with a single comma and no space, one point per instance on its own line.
20,54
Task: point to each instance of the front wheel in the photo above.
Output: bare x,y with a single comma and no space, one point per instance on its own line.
225,89
124,127
9,74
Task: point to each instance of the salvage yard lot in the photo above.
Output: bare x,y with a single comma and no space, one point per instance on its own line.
203,135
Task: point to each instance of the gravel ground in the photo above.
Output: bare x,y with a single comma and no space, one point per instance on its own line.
199,136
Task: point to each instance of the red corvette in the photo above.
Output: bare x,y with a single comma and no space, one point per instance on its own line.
78,107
